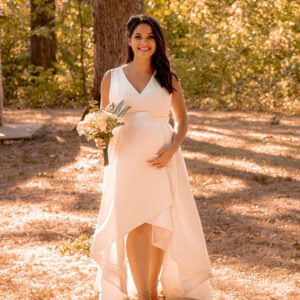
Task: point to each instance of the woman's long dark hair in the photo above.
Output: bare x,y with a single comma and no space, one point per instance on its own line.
160,61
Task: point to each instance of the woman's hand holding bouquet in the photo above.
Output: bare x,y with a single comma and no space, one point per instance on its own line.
98,125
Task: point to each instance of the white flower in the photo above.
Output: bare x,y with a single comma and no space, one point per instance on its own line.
100,124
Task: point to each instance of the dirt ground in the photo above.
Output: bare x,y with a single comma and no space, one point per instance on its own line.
244,173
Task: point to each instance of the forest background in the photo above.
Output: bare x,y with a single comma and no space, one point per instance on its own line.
228,54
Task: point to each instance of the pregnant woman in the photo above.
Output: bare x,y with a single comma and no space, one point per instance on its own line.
148,230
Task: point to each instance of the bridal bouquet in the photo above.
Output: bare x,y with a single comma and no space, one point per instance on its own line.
100,123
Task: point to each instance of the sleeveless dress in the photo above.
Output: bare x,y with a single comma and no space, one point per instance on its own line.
134,193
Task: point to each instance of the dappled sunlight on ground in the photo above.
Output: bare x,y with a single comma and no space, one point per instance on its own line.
244,174
60,119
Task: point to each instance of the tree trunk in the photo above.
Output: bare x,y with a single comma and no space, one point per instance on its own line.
1,93
110,42
2,17
43,39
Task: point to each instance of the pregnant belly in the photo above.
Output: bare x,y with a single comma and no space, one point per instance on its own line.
136,180
141,139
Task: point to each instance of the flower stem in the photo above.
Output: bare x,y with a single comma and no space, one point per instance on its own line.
105,154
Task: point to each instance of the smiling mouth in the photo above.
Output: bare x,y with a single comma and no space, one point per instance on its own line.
144,49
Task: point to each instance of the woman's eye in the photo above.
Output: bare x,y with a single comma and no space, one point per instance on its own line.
138,37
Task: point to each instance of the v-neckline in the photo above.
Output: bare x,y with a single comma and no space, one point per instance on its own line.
145,87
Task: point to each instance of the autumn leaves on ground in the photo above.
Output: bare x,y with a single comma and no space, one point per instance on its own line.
244,173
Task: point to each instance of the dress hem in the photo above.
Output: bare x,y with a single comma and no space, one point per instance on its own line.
96,256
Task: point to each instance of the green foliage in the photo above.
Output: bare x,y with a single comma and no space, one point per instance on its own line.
80,245
71,13
31,86
14,44
40,90
234,54
229,54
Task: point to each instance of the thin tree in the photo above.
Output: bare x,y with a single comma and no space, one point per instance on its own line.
109,20
82,48
1,93
2,16
43,39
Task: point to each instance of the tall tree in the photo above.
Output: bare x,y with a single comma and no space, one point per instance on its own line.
43,39
1,93
2,16
109,20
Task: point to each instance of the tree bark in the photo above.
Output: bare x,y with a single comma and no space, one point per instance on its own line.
2,17
110,42
43,39
1,93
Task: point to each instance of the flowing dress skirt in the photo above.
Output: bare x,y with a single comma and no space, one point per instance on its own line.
135,193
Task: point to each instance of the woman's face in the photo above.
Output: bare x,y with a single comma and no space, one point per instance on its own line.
142,41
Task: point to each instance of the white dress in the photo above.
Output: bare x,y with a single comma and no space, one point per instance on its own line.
135,193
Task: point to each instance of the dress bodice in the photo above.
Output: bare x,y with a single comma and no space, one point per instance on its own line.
152,101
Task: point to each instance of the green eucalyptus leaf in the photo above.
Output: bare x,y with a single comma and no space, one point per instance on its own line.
123,112
118,108
110,108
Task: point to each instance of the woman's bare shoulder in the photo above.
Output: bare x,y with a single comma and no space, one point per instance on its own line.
107,75
106,79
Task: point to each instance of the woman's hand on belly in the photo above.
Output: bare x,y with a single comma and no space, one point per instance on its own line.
163,156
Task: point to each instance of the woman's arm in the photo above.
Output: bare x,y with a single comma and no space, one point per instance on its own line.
179,113
104,91
181,125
